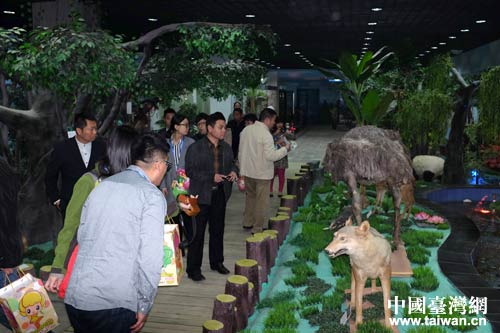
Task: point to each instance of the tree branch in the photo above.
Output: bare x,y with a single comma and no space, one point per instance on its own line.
3,87
148,50
82,101
150,36
106,124
459,77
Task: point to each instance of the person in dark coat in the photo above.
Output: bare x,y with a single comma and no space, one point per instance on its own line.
72,158
11,246
211,169
236,125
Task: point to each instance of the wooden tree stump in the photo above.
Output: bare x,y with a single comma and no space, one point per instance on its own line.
289,201
287,224
305,166
213,326
45,272
314,164
27,269
309,177
256,250
224,311
278,223
292,185
285,210
251,298
267,245
237,285
273,245
249,268
303,188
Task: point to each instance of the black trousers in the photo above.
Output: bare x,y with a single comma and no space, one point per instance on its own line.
213,215
116,320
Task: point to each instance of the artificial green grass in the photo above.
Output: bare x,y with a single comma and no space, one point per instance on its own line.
420,237
424,279
281,297
373,327
282,316
418,254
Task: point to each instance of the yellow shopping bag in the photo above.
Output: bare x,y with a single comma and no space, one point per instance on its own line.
27,306
172,271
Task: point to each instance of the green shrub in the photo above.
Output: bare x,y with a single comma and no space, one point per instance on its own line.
311,299
296,281
424,279
343,283
316,285
281,297
341,266
420,237
443,226
303,270
307,254
418,254
282,316
309,312
332,302
400,289
373,327
427,329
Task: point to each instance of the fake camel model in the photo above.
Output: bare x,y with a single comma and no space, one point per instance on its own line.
370,256
369,155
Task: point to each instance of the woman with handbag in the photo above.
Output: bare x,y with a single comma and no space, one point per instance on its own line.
118,158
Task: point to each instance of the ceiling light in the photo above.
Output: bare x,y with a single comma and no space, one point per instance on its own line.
427,51
442,43
368,38
452,37
480,21
9,12
256,59
364,48
421,54
250,15
434,47
297,52
372,23
287,45
152,19
366,44
278,67
370,32
376,9
464,30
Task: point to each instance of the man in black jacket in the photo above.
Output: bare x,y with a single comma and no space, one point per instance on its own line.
210,166
72,158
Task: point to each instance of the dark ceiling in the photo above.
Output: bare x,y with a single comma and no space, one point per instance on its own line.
318,28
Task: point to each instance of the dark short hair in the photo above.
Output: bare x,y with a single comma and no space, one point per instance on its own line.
81,119
118,151
200,116
238,110
250,117
147,146
212,119
236,102
176,120
167,111
267,113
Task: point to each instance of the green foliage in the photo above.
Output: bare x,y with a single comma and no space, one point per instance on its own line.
190,110
308,312
419,237
307,254
366,104
341,266
281,297
296,281
303,270
38,258
381,224
332,302
427,329
489,104
372,327
68,60
422,119
342,284
282,316
424,279
316,285
418,254
443,226
400,289
311,299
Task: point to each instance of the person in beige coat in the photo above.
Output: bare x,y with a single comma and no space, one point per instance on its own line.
257,153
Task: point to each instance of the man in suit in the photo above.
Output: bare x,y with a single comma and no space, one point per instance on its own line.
72,158
210,165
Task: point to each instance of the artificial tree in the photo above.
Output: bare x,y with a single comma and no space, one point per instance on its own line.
66,69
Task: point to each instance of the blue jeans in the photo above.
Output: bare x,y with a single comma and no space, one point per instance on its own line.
3,282
116,320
